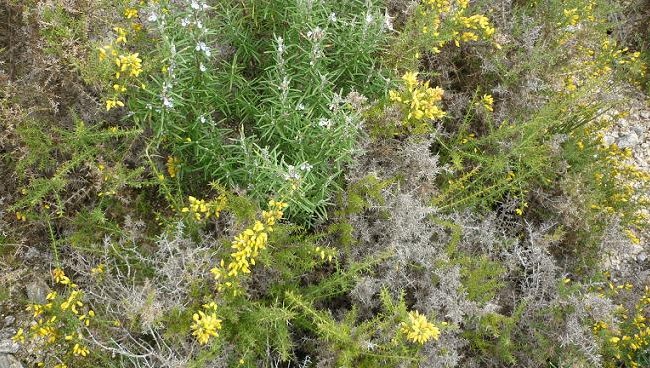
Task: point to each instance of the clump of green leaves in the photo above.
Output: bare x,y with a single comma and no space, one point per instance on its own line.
276,107
55,158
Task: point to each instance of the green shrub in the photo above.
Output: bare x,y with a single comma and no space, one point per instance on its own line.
281,112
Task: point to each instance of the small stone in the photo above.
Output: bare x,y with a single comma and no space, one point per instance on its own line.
8,361
629,140
9,320
37,291
609,139
8,347
639,129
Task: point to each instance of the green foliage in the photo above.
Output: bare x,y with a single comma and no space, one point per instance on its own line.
350,340
358,197
492,336
61,27
55,158
509,159
280,114
480,277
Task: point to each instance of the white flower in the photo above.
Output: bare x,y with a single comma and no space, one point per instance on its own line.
152,17
168,102
369,18
305,166
335,102
284,86
201,46
332,17
166,86
202,67
316,34
325,123
185,22
199,25
195,5
202,119
281,47
300,107
291,174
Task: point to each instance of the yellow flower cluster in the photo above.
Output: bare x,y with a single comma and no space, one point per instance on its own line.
418,329
572,16
202,210
445,21
325,253
593,56
488,102
127,65
623,200
419,100
130,13
206,324
173,166
248,244
57,322
631,339
473,24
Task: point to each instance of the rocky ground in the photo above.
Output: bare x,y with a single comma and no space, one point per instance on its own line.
8,347
633,132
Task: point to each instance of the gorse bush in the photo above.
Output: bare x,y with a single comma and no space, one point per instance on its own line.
58,325
51,173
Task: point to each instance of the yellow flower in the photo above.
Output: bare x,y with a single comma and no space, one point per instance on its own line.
118,88
19,336
102,52
632,236
487,101
418,329
121,35
130,13
410,79
572,16
469,36
130,62
20,216
113,102
60,277
80,350
203,210
250,242
173,165
205,326
419,99
97,270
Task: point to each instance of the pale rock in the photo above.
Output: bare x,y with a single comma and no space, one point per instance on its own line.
629,140
37,291
8,361
8,346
